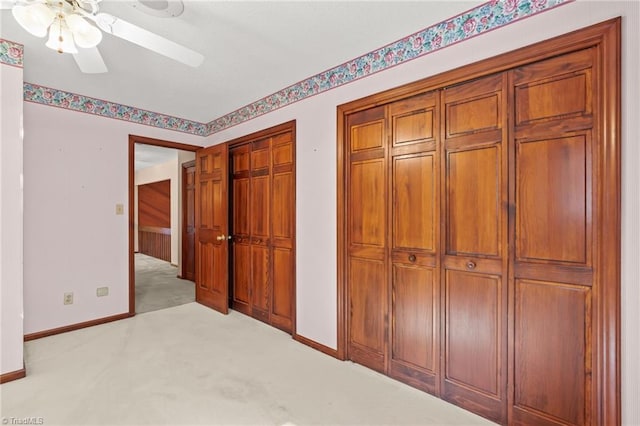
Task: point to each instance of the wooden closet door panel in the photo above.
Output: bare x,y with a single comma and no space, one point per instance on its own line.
283,204
551,359
555,175
260,281
474,202
474,274
553,209
413,227
414,321
260,200
368,290
283,291
283,231
240,231
368,204
473,340
241,276
366,269
414,203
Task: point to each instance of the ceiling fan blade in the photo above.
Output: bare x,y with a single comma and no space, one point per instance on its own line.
127,31
90,61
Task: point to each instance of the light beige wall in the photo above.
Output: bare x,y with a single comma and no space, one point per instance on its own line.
11,217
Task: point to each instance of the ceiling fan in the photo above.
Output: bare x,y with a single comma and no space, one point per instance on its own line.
74,26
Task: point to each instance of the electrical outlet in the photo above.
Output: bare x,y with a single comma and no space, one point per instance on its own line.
68,298
119,209
102,291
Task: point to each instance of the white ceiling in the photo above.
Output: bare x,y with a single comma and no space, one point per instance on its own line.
151,155
252,49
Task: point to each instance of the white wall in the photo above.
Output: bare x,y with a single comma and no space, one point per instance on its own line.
316,168
76,171
11,237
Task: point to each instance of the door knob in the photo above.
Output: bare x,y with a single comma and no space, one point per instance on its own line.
221,237
471,265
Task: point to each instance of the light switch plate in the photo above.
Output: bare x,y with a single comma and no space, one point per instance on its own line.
102,291
119,209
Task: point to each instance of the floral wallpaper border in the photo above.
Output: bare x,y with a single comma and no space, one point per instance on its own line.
11,53
479,20
58,98
474,22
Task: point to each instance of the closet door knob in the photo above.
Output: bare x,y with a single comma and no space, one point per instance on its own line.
412,258
471,265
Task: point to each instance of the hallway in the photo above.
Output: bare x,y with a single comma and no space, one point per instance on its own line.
157,285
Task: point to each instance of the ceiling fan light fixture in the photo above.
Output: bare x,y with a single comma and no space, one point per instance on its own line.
84,34
35,18
61,38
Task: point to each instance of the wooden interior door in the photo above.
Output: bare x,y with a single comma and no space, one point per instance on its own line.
189,221
414,181
212,201
367,239
555,216
474,277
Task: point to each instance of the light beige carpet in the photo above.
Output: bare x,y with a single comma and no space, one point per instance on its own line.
157,285
190,365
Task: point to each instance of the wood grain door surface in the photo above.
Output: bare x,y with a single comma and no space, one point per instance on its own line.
263,226
471,240
189,221
212,227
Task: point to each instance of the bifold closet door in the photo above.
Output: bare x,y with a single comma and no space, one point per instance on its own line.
240,241
282,231
554,188
474,273
414,254
367,239
259,226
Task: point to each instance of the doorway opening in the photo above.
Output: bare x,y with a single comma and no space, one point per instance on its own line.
156,210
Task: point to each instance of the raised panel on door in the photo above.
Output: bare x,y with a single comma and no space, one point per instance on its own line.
473,353
413,344
260,281
260,195
367,136
474,202
414,120
414,203
553,200
552,353
282,298
241,275
282,207
212,227
367,203
367,290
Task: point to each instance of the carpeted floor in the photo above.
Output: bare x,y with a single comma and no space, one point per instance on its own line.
157,285
190,365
